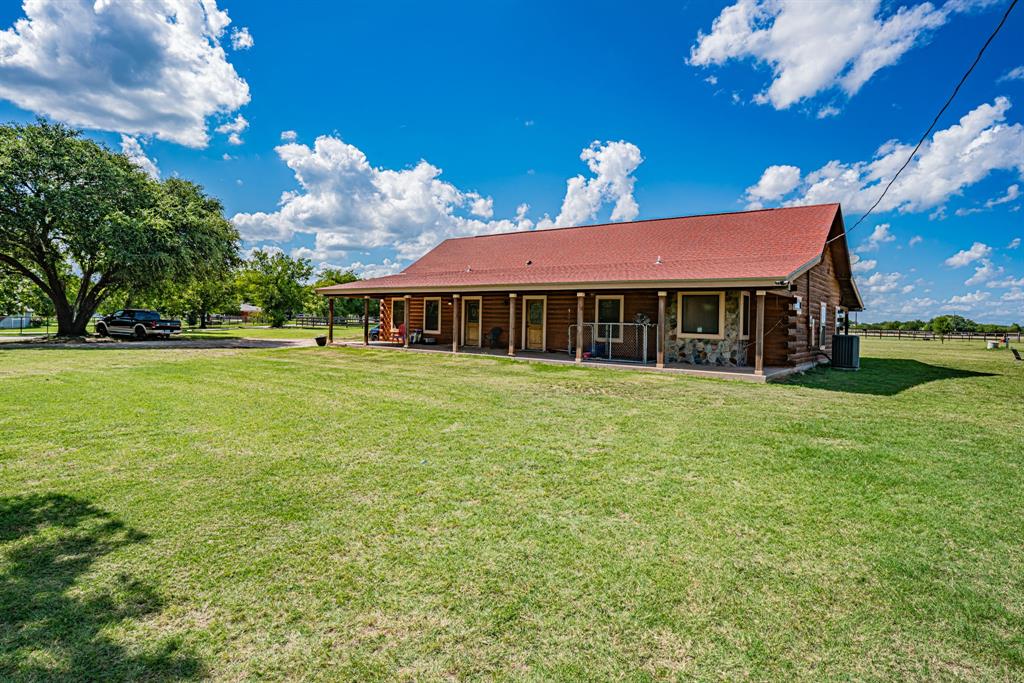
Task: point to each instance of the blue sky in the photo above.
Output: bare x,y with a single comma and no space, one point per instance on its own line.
414,122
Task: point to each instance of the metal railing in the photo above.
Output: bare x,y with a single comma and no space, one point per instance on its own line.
621,342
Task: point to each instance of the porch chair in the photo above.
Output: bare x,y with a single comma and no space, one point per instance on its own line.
400,335
495,336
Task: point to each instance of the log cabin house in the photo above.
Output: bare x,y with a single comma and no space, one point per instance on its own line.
751,291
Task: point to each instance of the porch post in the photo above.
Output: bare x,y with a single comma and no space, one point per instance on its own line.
330,320
759,327
579,326
455,323
661,330
366,321
512,324
405,320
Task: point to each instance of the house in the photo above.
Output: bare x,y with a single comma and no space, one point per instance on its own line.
751,290
249,312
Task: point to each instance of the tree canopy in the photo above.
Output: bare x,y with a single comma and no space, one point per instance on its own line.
275,283
82,223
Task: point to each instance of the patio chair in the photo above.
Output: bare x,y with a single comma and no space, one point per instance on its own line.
400,334
495,336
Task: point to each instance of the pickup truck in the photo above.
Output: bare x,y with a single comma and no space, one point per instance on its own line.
137,323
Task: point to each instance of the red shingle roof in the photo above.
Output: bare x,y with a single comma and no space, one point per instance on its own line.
749,245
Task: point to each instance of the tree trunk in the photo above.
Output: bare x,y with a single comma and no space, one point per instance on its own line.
202,319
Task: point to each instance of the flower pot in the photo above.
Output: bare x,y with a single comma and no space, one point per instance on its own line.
321,340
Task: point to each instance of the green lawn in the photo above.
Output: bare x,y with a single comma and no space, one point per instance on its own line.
330,514
253,332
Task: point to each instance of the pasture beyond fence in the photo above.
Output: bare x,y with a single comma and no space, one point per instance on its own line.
927,335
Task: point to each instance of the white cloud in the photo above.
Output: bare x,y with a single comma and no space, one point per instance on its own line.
1014,243
713,80
953,159
860,265
1014,74
963,257
235,127
1013,295
916,239
528,123
879,236
368,270
147,68
612,164
814,46
1007,282
879,283
907,289
983,273
241,39
827,111
1012,192
481,206
775,182
289,135
132,148
970,299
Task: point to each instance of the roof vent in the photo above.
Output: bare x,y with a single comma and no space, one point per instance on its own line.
529,263
658,262
468,269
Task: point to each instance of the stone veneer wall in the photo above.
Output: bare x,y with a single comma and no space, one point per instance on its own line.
728,351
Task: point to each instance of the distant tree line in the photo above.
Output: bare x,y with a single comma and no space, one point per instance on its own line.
83,230
943,324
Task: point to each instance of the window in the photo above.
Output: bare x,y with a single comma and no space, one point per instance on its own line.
397,313
744,315
822,325
432,315
609,317
701,315
147,315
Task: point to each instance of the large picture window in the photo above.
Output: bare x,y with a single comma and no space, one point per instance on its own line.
397,313
432,315
609,317
701,315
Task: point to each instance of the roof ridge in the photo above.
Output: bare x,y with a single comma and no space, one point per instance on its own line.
643,220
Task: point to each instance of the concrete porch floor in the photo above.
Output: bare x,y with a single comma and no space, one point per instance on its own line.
741,373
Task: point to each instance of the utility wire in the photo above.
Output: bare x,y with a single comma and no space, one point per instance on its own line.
924,137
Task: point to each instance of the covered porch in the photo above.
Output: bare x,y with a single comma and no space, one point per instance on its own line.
719,333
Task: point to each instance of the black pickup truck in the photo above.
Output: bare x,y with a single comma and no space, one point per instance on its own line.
137,323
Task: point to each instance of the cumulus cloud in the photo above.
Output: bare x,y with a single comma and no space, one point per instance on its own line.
149,68
954,158
235,128
861,265
969,300
879,283
916,239
1011,194
132,148
879,236
241,39
1014,74
1013,295
815,46
612,164
1006,282
289,135
983,273
775,182
1014,243
964,257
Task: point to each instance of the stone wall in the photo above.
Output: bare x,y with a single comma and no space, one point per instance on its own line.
728,351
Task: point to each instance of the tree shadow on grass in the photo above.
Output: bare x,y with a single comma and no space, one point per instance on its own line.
881,376
53,622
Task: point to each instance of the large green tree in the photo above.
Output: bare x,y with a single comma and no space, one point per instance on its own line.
276,283
83,223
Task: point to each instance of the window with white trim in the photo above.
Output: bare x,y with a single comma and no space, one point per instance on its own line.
744,315
608,316
397,313
432,315
701,315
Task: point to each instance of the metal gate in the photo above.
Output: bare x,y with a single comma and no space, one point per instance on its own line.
621,342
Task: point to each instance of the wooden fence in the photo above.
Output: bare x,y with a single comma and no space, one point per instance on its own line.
927,335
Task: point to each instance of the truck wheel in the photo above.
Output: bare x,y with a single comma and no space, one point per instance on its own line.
140,332
101,330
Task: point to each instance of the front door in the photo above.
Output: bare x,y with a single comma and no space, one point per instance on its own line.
534,319
471,327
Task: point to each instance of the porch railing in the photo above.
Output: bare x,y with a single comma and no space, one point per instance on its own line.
621,342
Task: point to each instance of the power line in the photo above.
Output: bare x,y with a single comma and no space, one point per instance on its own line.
924,137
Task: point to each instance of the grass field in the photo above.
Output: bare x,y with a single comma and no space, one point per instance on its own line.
332,514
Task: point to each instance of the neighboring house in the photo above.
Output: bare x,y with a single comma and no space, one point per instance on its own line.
249,311
754,288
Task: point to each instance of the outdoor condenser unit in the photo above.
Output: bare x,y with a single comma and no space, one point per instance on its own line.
846,352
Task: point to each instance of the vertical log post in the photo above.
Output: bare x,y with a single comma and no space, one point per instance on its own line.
455,323
661,330
579,326
366,321
405,320
512,324
759,349
330,320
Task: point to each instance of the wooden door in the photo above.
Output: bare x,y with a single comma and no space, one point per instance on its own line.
471,322
534,320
